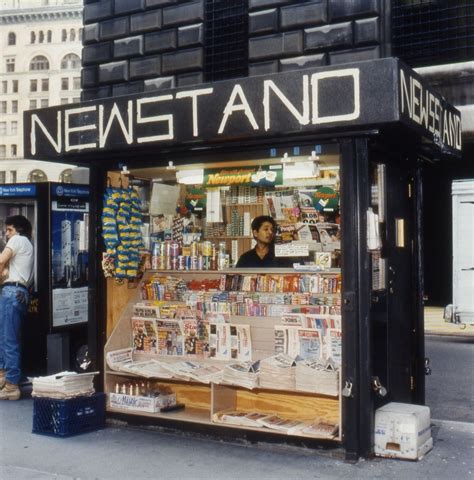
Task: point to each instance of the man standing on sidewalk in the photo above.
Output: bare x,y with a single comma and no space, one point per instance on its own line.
16,261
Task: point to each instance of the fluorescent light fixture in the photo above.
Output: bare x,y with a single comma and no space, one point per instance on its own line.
190,177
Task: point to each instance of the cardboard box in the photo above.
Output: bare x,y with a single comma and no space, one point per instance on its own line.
403,431
141,404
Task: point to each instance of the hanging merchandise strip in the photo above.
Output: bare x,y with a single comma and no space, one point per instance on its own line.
121,222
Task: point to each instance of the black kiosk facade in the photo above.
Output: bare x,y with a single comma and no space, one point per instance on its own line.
374,124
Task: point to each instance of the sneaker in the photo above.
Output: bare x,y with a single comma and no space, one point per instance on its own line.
2,378
10,392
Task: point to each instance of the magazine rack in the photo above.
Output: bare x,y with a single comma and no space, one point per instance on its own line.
204,401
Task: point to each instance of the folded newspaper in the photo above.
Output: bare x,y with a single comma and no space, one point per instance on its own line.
64,385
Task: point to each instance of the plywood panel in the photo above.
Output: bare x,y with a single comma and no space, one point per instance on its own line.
289,405
118,297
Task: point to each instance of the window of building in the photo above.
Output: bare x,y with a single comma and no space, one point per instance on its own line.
63,35
14,150
80,34
64,101
33,104
432,32
64,83
11,38
3,107
33,85
3,151
49,36
3,128
14,106
45,85
15,86
72,35
32,37
14,128
4,86
10,64
13,176
44,103
39,62
76,100
70,61
76,83
41,36
66,176
226,39
3,176
37,176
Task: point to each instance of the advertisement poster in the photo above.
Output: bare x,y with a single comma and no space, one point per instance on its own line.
70,262
262,176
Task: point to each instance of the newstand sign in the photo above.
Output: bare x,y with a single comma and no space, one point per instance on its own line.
351,96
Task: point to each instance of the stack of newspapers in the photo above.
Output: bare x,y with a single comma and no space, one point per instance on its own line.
278,372
244,374
317,376
64,385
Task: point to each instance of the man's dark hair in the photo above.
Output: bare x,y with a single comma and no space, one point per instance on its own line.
21,224
257,222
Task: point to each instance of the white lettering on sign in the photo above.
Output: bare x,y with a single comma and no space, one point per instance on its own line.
244,106
269,85
115,113
155,118
425,109
193,94
57,145
83,128
354,73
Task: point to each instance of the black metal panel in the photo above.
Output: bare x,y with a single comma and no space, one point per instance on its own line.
350,330
365,340
311,101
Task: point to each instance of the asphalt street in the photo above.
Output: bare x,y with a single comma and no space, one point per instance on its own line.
450,387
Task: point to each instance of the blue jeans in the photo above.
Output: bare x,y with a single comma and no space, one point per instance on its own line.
13,308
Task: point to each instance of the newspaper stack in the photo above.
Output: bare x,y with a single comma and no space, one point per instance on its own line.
64,385
278,372
244,374
317,376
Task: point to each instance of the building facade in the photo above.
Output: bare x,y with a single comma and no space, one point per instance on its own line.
40,65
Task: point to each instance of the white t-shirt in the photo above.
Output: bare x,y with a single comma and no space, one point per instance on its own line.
20,267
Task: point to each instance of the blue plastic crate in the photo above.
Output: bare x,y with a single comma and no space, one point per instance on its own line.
64,418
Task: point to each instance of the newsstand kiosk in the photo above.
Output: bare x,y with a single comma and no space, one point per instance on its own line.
305,354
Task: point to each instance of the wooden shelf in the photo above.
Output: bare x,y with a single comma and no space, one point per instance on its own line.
189,414
247,271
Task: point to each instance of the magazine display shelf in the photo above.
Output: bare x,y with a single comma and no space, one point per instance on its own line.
202,400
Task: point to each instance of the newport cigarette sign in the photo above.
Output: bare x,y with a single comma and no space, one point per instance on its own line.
352,96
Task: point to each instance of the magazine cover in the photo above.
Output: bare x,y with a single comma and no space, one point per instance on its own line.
243,342
220,341
144,335
280,339
190,330
146,310
310,345
334,345
170,337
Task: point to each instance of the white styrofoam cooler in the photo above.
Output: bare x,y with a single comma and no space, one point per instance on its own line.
403,431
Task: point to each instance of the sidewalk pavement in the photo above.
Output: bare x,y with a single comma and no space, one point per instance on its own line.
435,324
123,452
